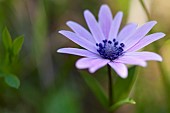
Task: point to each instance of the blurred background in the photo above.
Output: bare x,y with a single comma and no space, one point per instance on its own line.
50,83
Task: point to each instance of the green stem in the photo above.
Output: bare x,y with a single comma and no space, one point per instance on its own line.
162,70
145,9
110,88
165,79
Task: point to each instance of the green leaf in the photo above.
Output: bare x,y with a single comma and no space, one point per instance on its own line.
96,88
12,81
1,74
6,39
122,102
62,100
17,44
123,87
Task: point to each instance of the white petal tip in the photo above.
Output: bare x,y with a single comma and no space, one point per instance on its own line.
144,64
69,22
163,35
157,57
91,70
153,22
77,65
124,76
120,13
86,11
160,59
104,6
58,51
60,31
160,34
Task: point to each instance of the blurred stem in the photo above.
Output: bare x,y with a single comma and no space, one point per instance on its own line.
166,81
145,9
110,86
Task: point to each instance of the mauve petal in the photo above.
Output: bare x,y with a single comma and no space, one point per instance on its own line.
120,69
145,55
105,19
84,63
80,30
92,63
126,32
146,40
131,60
115,26
139,34
79,40
79,52
97,64
94,26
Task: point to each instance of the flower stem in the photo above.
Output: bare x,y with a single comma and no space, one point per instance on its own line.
110,88
145,9
162,70
166,82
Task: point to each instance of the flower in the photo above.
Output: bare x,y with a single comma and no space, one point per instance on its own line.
105,45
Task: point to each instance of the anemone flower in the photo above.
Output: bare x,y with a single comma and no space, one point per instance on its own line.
105,45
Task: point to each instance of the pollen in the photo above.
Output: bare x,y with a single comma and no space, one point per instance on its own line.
110,49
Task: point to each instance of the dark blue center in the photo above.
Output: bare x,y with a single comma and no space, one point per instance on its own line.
110,49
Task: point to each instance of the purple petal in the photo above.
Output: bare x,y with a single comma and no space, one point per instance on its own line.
78,29
79,52
79,40
139,34
145,55
115,26
105,19
120,69
131,60
126,32
93,26
97,64
84,63
91,63
146,40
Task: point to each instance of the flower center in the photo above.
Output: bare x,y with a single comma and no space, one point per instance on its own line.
110,49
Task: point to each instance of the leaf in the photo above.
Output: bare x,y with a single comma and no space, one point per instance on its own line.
122,102
63,100
6,39
12,81
1,74
17,44
123,87
96,88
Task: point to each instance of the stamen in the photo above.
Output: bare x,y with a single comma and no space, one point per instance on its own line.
110,49
116,43
110,42
104,41
100,45
122,45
